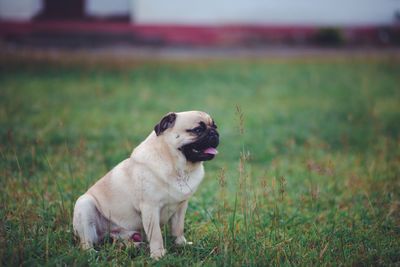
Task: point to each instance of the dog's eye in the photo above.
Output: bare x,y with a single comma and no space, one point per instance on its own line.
198,130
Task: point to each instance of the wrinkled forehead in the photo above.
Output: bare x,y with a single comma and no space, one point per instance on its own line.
193,119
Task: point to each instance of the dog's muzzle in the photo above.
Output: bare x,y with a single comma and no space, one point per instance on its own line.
202,149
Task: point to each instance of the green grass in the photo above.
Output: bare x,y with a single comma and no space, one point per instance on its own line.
308,170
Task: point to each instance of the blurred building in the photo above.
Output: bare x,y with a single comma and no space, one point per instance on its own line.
208,21
27,10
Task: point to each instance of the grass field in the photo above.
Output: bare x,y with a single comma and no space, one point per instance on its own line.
308,171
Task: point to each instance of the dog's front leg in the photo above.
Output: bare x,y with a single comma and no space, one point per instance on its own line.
177,222
151,225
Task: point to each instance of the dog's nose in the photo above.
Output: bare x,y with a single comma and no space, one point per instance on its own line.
212,132
213,138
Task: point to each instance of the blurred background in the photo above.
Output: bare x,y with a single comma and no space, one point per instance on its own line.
254,23
305,93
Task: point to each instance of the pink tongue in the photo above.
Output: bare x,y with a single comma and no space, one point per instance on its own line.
211,151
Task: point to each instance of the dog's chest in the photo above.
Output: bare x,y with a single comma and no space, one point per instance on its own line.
177,191
186,183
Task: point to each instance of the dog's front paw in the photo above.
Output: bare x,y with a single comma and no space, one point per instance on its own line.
181,240
158,254
87,246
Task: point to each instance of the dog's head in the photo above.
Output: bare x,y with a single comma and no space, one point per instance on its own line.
193,133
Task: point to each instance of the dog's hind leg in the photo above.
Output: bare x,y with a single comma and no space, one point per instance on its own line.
85,221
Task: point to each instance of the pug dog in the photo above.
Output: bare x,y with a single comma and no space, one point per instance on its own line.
151,187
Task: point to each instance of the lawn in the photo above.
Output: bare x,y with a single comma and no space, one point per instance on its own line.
308,171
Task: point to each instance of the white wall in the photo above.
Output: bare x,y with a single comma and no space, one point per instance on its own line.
19,10
104,8
262,12
220,12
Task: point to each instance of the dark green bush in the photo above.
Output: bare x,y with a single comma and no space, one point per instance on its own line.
329,37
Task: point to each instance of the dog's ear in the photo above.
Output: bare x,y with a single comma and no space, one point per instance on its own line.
166,122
